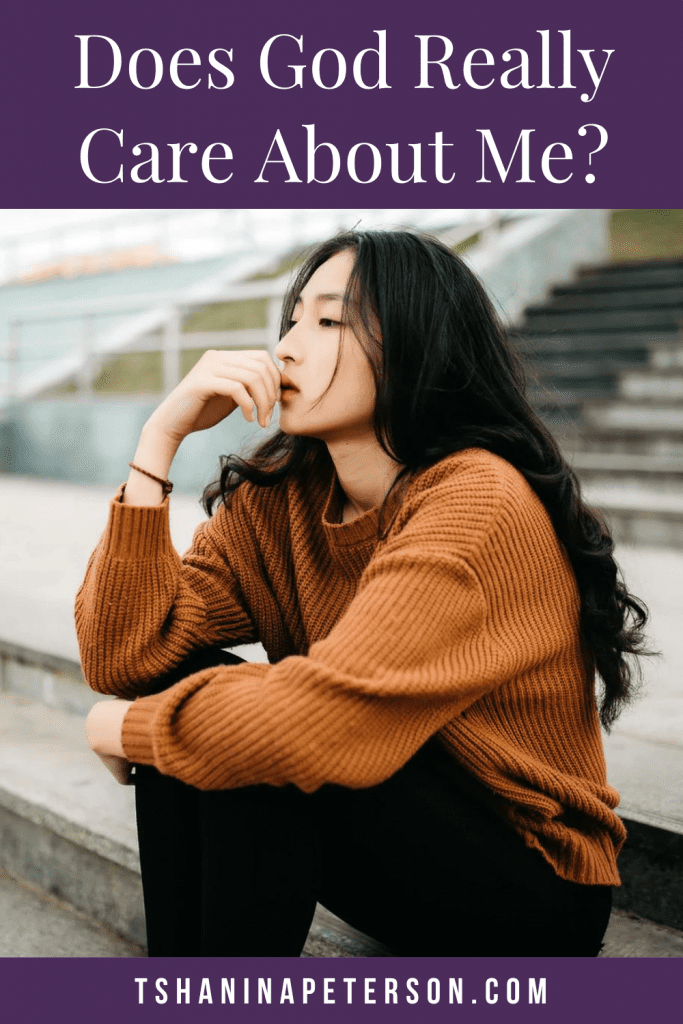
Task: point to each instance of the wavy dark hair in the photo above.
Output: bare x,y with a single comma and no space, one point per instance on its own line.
447,378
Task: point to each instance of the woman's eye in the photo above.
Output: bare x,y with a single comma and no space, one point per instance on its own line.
290,324
326,322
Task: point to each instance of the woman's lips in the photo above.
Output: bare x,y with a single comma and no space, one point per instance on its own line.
287,387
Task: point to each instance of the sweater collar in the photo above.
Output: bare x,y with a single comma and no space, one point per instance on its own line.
358,531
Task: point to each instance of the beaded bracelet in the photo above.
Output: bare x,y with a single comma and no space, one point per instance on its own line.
166,485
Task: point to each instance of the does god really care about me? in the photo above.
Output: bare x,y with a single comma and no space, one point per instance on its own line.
552,62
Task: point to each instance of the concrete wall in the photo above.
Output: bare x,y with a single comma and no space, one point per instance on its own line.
92,441
47,678
519,265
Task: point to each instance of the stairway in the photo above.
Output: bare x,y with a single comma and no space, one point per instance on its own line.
605,355
69,874
68,829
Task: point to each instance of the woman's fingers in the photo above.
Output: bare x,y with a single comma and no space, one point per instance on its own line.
121,769
220,381
258,383
260,363
234,389
272,370
258,376
246,388
262,360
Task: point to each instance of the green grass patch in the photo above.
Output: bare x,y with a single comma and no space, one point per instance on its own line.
243,313
646,234
287,263
466,243
131,373
228,316
190,356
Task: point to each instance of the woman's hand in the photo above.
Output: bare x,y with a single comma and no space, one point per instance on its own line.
103,728
221,381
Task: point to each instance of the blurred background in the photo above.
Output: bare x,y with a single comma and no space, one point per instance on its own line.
102,312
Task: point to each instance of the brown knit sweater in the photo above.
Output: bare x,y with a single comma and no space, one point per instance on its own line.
462,622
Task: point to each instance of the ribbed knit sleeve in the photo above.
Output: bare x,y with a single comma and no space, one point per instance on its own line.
141,609
413,649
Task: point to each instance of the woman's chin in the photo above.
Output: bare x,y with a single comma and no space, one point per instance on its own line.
289,425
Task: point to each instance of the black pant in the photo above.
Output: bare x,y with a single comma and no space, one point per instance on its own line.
420,863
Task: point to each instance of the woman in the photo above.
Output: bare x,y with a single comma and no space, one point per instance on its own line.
423,754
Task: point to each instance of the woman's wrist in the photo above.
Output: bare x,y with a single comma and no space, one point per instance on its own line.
104,727
103,730
155,453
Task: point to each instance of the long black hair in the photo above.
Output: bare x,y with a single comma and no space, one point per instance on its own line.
447,378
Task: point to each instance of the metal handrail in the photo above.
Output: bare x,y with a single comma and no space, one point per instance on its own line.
166,312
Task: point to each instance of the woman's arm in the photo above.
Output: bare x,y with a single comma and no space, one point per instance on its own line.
219,383
405,658
141,610
470,589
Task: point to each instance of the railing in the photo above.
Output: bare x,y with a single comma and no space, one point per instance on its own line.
134,334
512,254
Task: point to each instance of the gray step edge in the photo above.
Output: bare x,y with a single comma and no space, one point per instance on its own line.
63,825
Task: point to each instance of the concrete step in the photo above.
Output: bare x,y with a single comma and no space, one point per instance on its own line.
65,825
620,278
654,417
637,347
580,367
644,497
664,471
631,936
667,357
621,298
573,382
569,394
639,509
38,925
654,815
643,386
654,442
67,835
68,829
631,268
655,319
628,935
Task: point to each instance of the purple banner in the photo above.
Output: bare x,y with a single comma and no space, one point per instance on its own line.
161,103
442,989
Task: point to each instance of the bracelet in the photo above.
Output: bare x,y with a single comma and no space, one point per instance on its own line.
166,485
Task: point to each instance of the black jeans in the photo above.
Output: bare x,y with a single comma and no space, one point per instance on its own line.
419,863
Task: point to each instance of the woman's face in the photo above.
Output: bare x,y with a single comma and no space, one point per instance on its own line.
317,335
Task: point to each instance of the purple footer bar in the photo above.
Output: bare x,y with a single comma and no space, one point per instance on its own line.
267,989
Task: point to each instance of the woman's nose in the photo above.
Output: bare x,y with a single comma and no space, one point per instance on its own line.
286,347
